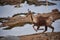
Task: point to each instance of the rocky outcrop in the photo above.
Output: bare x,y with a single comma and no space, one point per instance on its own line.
42,36
30,2
36,36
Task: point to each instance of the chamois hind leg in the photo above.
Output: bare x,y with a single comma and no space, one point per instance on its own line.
51,28
37,28
34,28
45,29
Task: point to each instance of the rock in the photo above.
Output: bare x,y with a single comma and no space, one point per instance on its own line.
42,36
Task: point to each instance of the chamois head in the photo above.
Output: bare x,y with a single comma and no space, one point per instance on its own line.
30,13
55,11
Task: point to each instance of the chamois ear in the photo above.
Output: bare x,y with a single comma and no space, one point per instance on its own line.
29,11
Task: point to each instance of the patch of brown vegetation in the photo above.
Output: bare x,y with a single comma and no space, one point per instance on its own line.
41,36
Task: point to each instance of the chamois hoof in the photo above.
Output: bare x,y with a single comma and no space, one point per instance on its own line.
43,31
52,31
35,30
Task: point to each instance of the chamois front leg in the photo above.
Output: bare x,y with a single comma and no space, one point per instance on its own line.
45,29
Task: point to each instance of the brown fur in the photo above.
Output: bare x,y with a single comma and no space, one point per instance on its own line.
44,20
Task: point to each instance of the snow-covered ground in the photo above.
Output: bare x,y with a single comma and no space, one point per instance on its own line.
8,10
